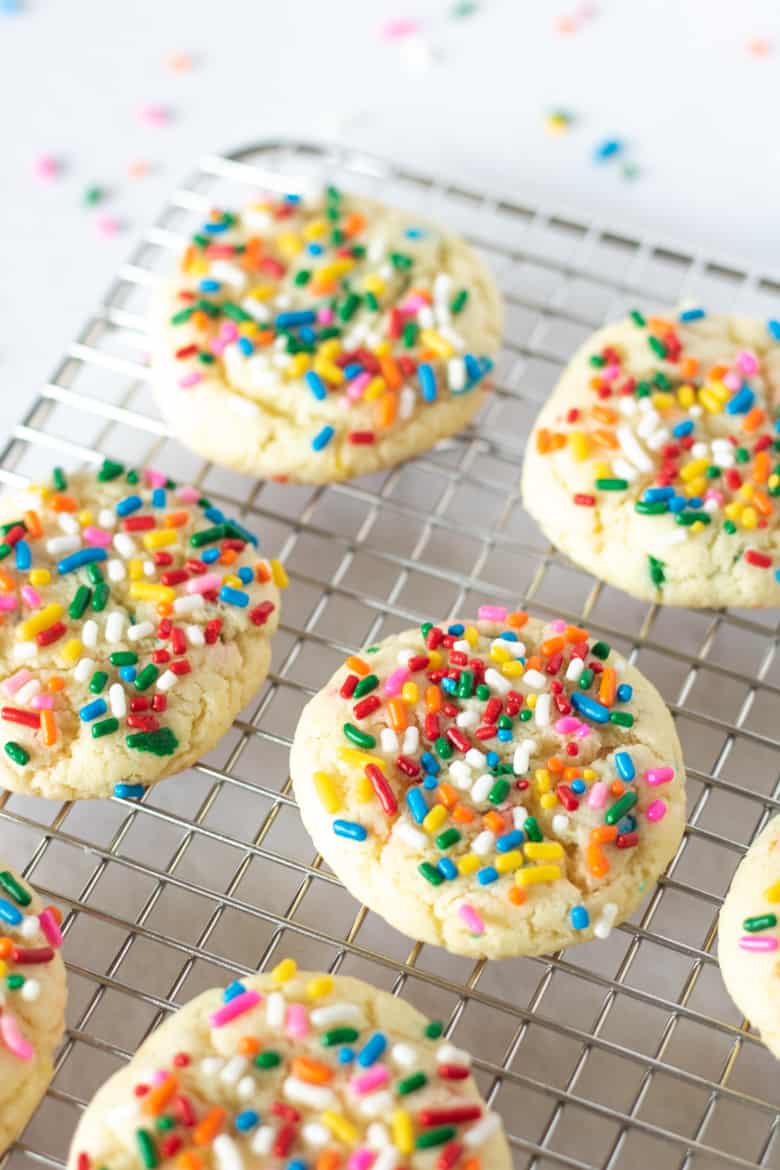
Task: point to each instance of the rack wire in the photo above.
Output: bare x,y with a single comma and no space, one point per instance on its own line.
617,1054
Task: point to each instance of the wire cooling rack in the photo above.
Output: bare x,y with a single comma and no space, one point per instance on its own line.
620,1054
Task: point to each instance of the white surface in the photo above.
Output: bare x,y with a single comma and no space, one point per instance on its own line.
675,80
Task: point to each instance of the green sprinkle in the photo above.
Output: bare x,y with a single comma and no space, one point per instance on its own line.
411,1084
401,260
525,714
612,484
271,1059
12,887
759,922
409,335
348,306
110,470
14,982
132,476
430,873
586,678
597,360
361,738
688,518
5,550
458,302
98,681
657,346
79,602
619,809
662,381
504,723
123,658
93,195
105,727
164,1124
100,597
532,830
235,312
207,359
16,752
434,1029
146,1149
371,302
434,1137
656,567
182,316
59,480
447,838
147,676
651,507
160,743
444,748
425,630
742,455
302,277
622,718
637,318
483,692
208,535
366,685
465,686
499,792
338,1036
730,527
643,390
94,573
602,650
337,237
713,472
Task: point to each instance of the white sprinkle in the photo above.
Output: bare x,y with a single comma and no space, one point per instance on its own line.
403,1055
387,1158
242,406
116,570
480,1132
117,700
57,545
195,635
522,756
376,1104
315,1135
229,273
699,450
442,284
246,1088
189,604
632,449
377,1136
256,309
69,523
263,1139
107,518
475,758
481,787
467,719
606,920
139,630
210,1066
560,824
167,680
574,670
407,400
275,1010
115,624
233,1071
336,1014
227,1153
31,990
403,656
409,835
124,545
534,679
519,815
658,439
28,692
542,710
483,843
29,927
463,647
624,470
449,1054
497,682
83,669
673,536
460,773
89,633
411,740
150,569
24,651
302,1093
388,740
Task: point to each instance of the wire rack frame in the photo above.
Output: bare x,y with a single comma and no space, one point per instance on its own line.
617,1054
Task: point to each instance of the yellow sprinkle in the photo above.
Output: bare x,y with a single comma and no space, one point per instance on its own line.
198,266
135,568
530,701
696,487
433,340
589,774
709,401
542,778
733,510
693,469
686,395
159,538
506,862
720,391
469,864
3,968
746,491
410,692
325,787
403,1132
40,489
84,517
513,669
329,371
284,971
543,850
533,875
147,591
330,348
297,367
500,653
375,389
471,634
382,349
39,621
233,581
40,577
435,659
315,229
548,800
435,818
338,1125
373,283
749,518
698,526
70,652
662,400
335,269
602,470
261,292
364,790
580,447
773,893
279,575
289,244
319,987
358,758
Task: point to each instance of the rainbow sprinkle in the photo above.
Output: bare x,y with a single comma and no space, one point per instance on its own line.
29,942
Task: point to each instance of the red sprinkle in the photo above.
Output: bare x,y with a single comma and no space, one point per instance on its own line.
261,613
584,500
361,438
454,1116
453,1072
53,634
347,689
759,559
366,706
384,792
17,715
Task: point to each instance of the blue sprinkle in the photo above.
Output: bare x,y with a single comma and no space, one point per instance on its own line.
417,804
232,990
127,673
245,574
350,829
9,913
427,382
773,326
476,368
508,636
430,782
209,286
692,315
625,766
578,787
430,763
626,825
316,385
214,515
589,707
579,918
210,554
307,334
682,429
653,495
297,1164
91,710
233,596
214,228
510,840
492,759
741,402
609,148
352,370
346,1055
129,504
83,557
695,502
415,233
292,197
487,875
159,498
456,630
677,504
244,533
449,685
372,1049
777,574
624,692
295,318
247,1119
322,438
246,347
505,734
447,868
23,555
129,791
314,249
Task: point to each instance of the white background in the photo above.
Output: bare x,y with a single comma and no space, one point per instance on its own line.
673,78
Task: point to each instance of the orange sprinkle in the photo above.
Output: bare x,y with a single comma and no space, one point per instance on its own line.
432,699
576,634
358,666
570,774
328,1160
606,438
607,686
753,420
227,556
262,573
385,410
207,1129
6,947
390,372
447,795
164,608
595,382
517,620
762,503
397,710
660,325
189,257
189,1160
605,414
762,468
48,727
494,821
199,320
323,287
32,522
59,502
555,764
264,337
617,787
543,444
596,860
716,372
248,1046
462,814
311,1071
689,368
353,224
552,645
7,581
557,441
603,834
517,897
56,913
157,1098
55,683
534,662
175,519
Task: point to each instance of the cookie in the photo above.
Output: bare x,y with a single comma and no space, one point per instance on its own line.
498,787
136,623
323,338
749,936
296,1070
32,1002
654,463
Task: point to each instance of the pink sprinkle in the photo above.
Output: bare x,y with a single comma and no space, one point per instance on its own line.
188,494
732,380
567,724
558,626
155,478
16,681
218,346
413,304
191,379
8,601
609,373
357,386
107,225
98,536
42,701
46,167
747,361
297,1024
754,942
656,811
159,1076
31,596
471,918
718,497
393,30
655,776
362,1159
582,731
154,115
492,613
371,1079
395,680
50,928
228,331
326,316
235,1007
14,1040
203,584
597,797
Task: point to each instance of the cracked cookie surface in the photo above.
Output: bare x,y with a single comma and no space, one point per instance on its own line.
498,787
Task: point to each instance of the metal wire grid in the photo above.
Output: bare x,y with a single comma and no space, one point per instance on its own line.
625,1053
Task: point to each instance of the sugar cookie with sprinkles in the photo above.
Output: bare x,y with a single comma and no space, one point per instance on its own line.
655,463
297,1071
320,338
499,787
135,623
749,936
32,1002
